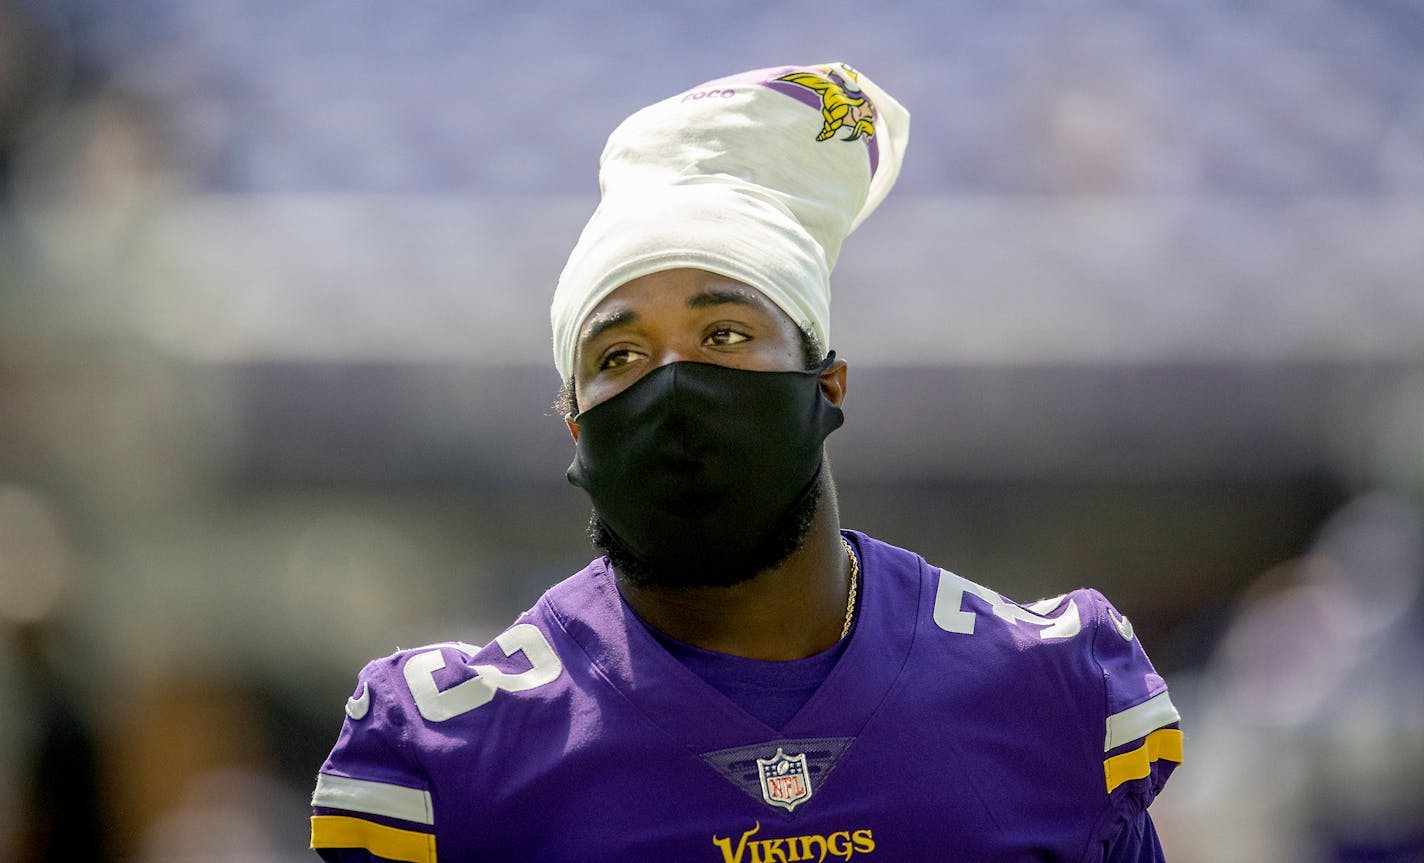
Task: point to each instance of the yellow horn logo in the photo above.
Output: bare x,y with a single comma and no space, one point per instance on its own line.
842,106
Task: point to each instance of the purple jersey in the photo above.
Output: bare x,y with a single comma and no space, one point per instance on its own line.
956,726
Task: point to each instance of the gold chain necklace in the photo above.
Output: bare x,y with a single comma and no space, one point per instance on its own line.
854,579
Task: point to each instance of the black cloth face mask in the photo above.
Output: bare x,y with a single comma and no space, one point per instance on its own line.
696,466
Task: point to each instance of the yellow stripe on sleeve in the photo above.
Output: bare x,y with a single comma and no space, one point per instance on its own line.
1164,743
340,831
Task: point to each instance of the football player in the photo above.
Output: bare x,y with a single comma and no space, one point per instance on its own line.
737,678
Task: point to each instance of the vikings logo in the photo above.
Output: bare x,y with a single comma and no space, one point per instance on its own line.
843,104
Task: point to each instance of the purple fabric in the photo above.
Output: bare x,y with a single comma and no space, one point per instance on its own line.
924,742
1136,843
771,691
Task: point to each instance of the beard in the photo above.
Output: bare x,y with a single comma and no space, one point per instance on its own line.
786,538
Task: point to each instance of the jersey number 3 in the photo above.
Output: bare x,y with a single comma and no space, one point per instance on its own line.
437,705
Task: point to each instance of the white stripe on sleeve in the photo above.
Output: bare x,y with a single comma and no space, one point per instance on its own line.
374,798
1141,720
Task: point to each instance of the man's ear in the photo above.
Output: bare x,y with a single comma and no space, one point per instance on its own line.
833,382
573,426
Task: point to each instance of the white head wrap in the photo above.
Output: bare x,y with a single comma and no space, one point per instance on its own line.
758,177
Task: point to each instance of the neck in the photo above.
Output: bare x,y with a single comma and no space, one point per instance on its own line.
792,611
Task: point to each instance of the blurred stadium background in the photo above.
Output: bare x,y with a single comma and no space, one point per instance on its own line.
1144,313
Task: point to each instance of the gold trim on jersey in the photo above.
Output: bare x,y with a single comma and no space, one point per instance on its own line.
1162,744
340,831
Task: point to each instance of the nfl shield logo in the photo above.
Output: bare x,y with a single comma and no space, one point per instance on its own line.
785,781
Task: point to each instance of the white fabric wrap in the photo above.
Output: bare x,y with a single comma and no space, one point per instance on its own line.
729,177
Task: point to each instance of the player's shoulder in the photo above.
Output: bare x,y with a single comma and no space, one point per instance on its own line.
1081,627
422,715
1088,641
446,688
1083,653
1105,640
445,681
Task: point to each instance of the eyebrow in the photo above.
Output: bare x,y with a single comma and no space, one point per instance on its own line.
721,297
600,324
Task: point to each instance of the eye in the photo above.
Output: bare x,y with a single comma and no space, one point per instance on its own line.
617,357
725,336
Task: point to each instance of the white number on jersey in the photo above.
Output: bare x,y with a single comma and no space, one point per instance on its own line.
949,616
438,706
